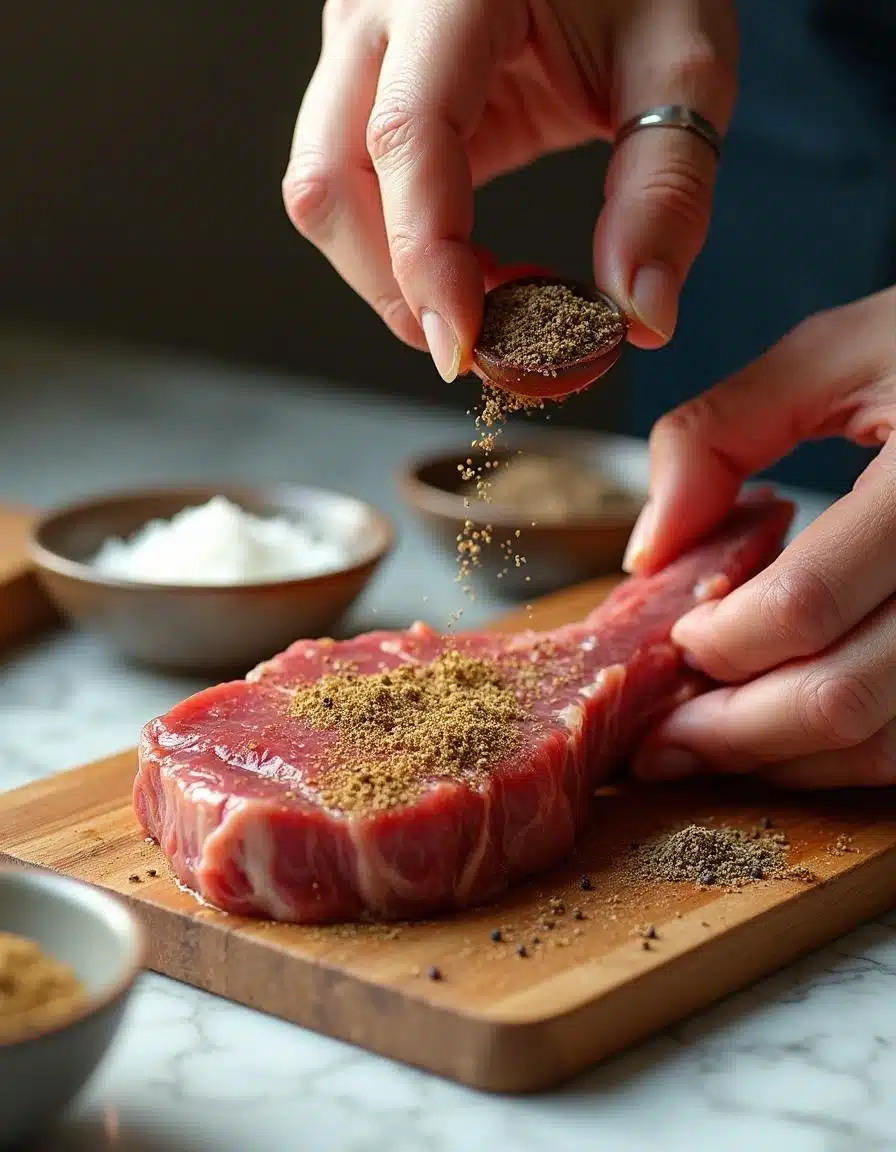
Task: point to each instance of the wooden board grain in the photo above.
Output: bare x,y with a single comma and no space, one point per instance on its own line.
495,1020
23,606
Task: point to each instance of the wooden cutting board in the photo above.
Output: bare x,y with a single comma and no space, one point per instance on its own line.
495,1020
23,607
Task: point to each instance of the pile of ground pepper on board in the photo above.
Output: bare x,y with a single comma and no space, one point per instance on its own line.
539,327
37,992
453,718
705,856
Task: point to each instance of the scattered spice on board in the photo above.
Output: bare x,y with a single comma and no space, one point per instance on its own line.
539,327
395,730
842,846
37,992
708,856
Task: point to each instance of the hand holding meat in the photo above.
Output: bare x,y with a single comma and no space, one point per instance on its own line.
807,647
414,103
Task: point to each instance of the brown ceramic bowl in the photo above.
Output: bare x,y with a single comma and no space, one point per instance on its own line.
205,628
558,552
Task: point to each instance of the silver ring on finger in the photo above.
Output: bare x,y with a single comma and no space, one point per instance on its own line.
673,116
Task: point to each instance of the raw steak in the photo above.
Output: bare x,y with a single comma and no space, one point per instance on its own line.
227,780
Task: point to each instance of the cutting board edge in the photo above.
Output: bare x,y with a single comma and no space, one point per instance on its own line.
514,1056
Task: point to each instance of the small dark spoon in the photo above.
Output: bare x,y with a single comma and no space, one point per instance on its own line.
564,378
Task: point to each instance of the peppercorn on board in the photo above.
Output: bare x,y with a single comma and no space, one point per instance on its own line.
522,994
23,606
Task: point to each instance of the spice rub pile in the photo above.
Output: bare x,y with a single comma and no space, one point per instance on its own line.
453,718
37,992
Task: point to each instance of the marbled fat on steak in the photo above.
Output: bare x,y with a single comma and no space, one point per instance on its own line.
227,780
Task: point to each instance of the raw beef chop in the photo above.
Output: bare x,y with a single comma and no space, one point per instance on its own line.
228,780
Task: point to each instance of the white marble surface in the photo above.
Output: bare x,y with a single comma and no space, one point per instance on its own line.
804,1062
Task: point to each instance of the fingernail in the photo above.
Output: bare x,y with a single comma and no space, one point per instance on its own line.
655,299
667,764
693,625
443,345
640,540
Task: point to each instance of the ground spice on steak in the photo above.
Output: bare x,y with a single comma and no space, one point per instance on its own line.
706,856
37,992
540,327
396,730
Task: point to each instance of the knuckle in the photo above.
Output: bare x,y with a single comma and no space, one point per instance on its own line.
394,313
407,252
689,422
338,12
839,711
802,609
876,765
309,195
391,130
704,68
682,189
815,328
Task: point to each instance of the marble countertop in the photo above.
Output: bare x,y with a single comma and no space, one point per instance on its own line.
805,1061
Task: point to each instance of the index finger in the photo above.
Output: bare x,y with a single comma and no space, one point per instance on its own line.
432,90
831,577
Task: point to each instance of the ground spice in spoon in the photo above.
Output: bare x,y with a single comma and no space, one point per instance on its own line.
539,327
37,992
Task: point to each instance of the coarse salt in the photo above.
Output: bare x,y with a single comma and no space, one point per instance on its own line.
219,543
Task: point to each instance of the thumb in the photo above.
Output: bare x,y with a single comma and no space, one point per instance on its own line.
822,379
659,187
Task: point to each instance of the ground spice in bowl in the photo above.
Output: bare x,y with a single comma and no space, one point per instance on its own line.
550,489
540,327
37,992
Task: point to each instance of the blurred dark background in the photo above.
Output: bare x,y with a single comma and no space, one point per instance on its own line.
140,198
